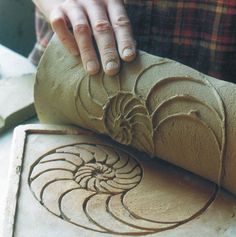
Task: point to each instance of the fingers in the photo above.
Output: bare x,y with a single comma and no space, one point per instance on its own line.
122,28
83,37
104,36
58,23
108,22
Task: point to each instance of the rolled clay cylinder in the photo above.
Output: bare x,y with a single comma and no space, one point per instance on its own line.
154,104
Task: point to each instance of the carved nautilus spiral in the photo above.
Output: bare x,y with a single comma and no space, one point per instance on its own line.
92,186
126,118
155,105
167,117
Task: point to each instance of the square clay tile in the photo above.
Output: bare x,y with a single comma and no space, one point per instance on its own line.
69,182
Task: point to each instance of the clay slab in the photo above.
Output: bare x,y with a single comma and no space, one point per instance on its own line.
16,100
69,182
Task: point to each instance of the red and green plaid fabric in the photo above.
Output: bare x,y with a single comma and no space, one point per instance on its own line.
198,33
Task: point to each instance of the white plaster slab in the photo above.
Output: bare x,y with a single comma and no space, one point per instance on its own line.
16,100
94,187
5,145
13,64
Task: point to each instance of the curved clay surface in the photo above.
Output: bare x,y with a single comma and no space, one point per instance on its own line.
156,105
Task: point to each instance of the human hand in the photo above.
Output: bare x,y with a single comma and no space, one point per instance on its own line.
106,20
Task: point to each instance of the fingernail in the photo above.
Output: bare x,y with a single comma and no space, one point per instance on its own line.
112,65
127,52
91,66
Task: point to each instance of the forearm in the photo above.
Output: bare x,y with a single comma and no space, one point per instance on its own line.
46,6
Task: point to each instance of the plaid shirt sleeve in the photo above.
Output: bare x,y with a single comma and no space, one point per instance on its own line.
43,35
198,33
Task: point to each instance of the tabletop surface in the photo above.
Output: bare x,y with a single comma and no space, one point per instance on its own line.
11,65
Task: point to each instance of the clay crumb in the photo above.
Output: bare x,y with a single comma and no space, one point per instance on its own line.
18,169
194,113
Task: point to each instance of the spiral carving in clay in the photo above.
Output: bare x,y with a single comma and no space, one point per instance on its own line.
126,119
89,185
149,117
154,105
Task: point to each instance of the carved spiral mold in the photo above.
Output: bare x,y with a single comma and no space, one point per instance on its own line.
126,118
154,104
90,185
164,119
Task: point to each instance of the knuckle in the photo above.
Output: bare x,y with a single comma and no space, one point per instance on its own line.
109,47
109,44
86,51
122,21
81,28
57,21
109,53
102,26
65,40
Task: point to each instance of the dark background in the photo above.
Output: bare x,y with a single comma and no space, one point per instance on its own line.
17,25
